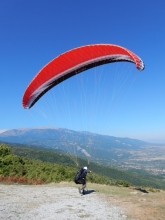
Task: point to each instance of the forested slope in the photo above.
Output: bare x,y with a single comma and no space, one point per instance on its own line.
50,166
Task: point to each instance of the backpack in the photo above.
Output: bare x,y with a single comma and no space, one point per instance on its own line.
78,175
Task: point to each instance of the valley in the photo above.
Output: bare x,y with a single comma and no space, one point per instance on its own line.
124,153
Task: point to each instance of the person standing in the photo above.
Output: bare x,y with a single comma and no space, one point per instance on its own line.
80,178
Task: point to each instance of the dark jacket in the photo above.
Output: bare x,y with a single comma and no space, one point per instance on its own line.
84,174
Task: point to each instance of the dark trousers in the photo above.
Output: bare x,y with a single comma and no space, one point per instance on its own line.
83,182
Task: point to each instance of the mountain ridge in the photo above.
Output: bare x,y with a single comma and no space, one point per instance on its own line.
48,137
124,153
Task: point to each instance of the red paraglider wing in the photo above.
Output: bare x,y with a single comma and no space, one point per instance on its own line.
73,62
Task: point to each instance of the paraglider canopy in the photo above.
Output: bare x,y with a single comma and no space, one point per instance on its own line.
73,62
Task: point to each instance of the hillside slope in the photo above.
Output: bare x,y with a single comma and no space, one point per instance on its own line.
107,171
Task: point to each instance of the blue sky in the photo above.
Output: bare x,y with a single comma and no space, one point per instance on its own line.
34,32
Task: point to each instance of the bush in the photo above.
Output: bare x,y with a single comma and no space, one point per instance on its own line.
122,183
5,150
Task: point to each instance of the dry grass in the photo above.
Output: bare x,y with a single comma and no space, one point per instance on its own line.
136,205
19,180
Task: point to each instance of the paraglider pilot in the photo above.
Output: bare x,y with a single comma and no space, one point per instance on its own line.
80,178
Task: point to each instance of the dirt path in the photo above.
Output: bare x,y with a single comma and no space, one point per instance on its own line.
54,202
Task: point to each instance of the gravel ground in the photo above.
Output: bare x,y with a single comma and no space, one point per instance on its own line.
53,202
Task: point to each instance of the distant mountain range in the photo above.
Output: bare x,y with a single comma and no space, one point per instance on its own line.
121,152
78,142
59,138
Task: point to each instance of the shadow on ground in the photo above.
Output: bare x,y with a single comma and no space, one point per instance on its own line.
89,192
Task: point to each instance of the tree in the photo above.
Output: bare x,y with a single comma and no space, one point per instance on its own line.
5,150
